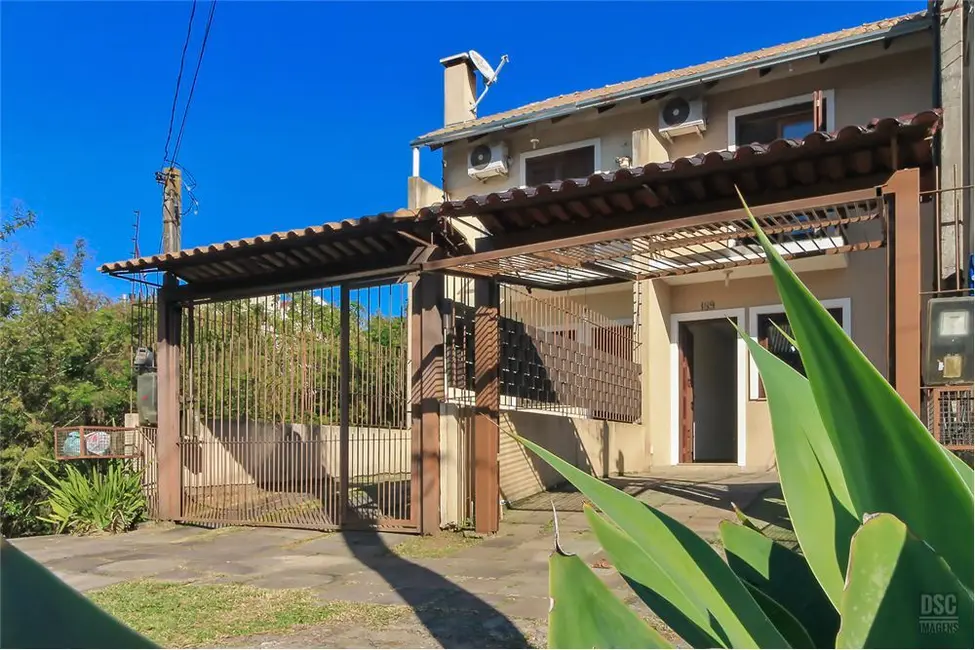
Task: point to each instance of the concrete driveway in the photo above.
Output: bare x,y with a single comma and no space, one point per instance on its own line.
493,593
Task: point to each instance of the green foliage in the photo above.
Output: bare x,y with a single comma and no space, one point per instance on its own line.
40,611
275,360
882,513
109,498
586,615
64,360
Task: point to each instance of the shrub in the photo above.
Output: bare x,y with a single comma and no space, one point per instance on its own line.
102,501
883,515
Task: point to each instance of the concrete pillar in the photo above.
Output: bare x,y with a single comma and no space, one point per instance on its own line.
167,435
459,87
426,344
487,406
422,193
905,275
655,362
131,422
651,299
647,147
955,24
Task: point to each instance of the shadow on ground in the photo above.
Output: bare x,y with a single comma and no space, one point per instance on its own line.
453,616
759,499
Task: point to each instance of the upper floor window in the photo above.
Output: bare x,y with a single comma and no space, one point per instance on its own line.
786,118
576,160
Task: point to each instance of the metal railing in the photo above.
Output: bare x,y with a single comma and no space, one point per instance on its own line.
557,354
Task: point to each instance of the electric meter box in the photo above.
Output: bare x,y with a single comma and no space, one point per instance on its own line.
145,385
948,348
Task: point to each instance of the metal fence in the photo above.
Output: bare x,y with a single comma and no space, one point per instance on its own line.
557,355
951,419
261,401
145,463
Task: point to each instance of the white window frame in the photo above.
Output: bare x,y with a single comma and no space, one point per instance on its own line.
741,362
735,113
843,304
595,143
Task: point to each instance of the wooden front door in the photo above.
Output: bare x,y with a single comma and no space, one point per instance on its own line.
685,343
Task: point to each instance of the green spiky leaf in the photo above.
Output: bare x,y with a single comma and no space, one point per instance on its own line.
901,594
784,576
586,614
700,572
889,461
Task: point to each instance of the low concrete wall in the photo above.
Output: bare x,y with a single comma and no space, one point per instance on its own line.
597,446
600,447
227,452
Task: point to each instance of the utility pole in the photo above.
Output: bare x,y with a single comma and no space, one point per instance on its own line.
172,181
168,353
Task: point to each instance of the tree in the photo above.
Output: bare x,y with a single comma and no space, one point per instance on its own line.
64,360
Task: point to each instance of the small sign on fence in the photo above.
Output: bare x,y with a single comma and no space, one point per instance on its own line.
77,443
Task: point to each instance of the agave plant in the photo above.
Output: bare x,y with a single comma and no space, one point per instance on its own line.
101,501
882,512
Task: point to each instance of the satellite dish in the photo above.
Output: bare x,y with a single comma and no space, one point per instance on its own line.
482,66
490,74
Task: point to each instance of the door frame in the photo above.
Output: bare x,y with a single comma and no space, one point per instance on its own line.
738,315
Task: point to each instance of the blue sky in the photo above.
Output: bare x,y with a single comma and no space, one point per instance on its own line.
304,111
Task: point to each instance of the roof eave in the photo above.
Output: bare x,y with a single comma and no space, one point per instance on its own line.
908,27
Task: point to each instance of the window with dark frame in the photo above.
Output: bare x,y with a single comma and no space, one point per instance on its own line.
792,121
558,166
770,338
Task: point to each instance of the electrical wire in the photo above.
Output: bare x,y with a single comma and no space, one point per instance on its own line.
196,74
179,79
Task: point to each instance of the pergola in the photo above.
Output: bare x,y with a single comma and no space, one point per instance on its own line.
829,193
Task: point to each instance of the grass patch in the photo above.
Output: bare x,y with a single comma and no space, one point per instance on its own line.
184,615
444,544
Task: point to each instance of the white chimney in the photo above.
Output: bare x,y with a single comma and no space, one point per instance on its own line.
459,89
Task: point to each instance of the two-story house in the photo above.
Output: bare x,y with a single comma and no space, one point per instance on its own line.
572,278
702,399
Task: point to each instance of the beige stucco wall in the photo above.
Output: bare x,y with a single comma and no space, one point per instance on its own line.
232,453
892,83
862,281
600,447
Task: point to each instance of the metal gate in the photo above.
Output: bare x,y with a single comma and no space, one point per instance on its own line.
294,410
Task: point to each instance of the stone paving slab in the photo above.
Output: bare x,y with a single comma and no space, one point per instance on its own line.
492,594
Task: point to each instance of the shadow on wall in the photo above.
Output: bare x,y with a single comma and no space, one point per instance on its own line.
600,447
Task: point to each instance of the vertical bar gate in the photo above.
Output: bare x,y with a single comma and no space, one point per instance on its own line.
265,383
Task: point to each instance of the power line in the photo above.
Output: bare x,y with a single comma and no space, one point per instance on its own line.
179,79
196,74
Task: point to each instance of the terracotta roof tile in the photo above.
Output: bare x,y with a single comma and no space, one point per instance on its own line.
605,91
922,123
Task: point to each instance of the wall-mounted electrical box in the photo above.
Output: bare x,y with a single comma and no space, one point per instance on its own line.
145,384
948,349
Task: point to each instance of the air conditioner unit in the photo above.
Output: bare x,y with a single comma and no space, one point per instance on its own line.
487,161
679,116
